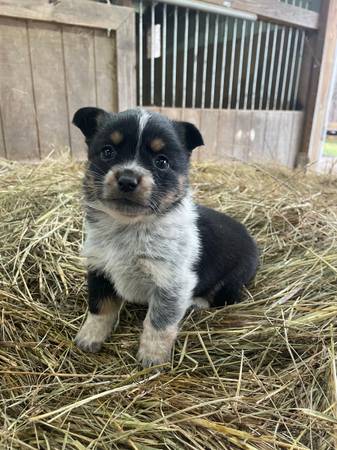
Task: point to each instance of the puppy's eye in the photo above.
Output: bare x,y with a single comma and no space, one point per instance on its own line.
108,153
162,162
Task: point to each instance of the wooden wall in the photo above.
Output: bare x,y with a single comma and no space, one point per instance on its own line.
52,66
260,136
332,118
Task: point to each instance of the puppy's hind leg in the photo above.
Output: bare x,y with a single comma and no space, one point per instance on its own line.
200,303
228,294
103,316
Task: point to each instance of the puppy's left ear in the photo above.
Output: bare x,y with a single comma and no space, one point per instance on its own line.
88,120
189,134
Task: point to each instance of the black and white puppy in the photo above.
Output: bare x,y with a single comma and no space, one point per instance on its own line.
147,242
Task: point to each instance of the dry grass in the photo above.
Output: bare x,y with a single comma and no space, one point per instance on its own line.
258,375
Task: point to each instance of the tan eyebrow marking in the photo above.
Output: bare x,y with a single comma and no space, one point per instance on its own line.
157,144
116,137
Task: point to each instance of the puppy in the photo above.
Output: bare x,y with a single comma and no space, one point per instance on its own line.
146,240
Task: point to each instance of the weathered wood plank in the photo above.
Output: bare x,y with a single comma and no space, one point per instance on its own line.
271,137
106,71
308,70
172,113
258,128
126,64
226,132
16,94
80,78
276,11
152,109
296,138
49,87
2,139
242,141
84,13
284,145
209,131
191,115
325,51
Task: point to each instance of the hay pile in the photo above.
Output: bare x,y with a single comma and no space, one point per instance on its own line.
258,375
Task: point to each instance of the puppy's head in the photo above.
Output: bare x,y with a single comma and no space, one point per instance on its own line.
137,161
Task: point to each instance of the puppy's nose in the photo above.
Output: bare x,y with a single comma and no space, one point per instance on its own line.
127,181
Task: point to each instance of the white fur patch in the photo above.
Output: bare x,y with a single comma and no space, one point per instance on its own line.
156,345
138,257
143,118
96,329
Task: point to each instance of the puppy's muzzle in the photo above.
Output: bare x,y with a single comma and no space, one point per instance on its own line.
127,180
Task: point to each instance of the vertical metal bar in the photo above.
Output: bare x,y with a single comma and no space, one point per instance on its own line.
239,81
249,64
163,67
257,61
272,66
185,58
140,61
285,73
195,57
204,72
215,54
264,68
152,52
299,68
279,65
223,64
292,70
174,66
230,89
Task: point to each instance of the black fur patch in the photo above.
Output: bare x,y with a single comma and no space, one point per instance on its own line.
99,289
228,259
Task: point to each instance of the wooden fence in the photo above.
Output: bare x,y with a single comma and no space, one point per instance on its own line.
55,58
262,136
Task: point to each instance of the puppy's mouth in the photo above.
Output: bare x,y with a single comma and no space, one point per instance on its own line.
127,206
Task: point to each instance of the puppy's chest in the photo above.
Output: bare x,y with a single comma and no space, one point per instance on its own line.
136,260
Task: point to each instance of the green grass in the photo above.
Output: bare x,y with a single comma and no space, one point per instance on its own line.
330,149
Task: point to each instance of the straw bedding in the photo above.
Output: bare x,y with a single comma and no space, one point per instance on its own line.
257,375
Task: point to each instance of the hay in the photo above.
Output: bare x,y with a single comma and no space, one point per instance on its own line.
258,375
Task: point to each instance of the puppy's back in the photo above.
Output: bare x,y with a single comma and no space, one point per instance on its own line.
228,259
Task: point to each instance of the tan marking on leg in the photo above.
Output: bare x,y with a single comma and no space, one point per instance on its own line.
97,327
157,144
116,137
156,345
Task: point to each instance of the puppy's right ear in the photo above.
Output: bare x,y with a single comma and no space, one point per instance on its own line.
88,120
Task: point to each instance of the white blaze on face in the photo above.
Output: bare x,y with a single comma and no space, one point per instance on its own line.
143,118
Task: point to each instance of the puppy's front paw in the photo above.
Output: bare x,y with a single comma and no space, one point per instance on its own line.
152,355
86,343
156,345
93,333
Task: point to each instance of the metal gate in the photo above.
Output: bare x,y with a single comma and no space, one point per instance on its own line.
194,59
